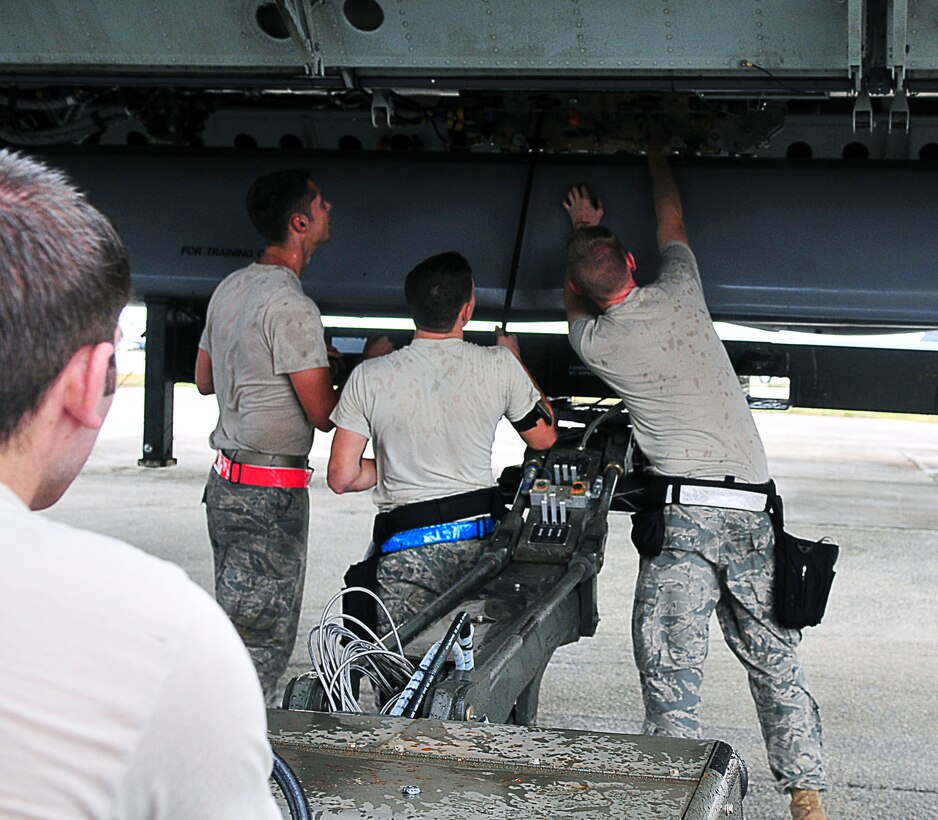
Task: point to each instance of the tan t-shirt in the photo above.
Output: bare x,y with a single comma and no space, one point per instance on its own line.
659,351
432,409
260,328
125,691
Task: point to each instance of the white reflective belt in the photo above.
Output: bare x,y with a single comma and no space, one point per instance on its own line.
724,497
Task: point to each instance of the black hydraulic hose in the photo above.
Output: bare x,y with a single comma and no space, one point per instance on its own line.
490,564
611,476
442,653
290,786
618,407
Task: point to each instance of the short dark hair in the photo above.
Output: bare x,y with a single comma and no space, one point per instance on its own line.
274,198
436,291
64,279
596,262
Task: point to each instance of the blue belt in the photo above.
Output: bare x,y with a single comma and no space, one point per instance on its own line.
439,534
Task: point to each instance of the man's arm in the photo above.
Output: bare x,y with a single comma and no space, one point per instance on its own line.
667,200
542,436
583,213
348,471
544,433
316,395
203,373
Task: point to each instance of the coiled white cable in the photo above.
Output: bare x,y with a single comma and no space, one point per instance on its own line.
340,657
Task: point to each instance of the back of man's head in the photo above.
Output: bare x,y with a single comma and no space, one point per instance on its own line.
64,279
597,263
274,198
436,291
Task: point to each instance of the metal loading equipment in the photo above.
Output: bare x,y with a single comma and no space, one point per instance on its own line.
533,589
541,593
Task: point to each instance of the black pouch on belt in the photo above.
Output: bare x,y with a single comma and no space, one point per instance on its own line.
648,522
804,573
359,604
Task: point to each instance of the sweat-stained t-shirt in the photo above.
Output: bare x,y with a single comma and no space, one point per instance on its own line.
125,691
659,351
260,328
432,409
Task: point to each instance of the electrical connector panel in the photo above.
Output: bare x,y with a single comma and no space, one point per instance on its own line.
568,483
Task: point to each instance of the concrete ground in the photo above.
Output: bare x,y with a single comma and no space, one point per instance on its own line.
873,664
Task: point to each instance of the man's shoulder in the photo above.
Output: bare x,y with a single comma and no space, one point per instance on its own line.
266,282
581,330
111,600
394,360
235,279
677,257
495,361
488,353
119,637
111,571
676,247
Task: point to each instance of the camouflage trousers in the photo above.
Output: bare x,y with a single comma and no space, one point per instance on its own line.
410,579
259,539
724,560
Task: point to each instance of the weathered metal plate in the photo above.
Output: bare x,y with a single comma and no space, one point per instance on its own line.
358,766
422,35
150,37
638,35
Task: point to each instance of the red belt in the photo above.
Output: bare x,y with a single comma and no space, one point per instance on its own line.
290,478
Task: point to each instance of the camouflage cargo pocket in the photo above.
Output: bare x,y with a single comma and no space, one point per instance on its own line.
254,600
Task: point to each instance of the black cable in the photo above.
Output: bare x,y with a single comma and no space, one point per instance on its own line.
771,76
290,786
701,98
522,222
442,653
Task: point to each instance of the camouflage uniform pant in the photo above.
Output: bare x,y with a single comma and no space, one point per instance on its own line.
410,579
259,538
723,559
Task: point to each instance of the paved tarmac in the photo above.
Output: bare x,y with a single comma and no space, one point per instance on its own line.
870,483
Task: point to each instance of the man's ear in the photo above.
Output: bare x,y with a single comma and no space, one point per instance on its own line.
467,310
87,384
575,287
299,223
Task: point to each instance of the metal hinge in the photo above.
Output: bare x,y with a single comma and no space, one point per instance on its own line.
381,108
899,111
863,111
299,17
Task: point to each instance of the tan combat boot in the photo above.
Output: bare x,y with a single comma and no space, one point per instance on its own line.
806,805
